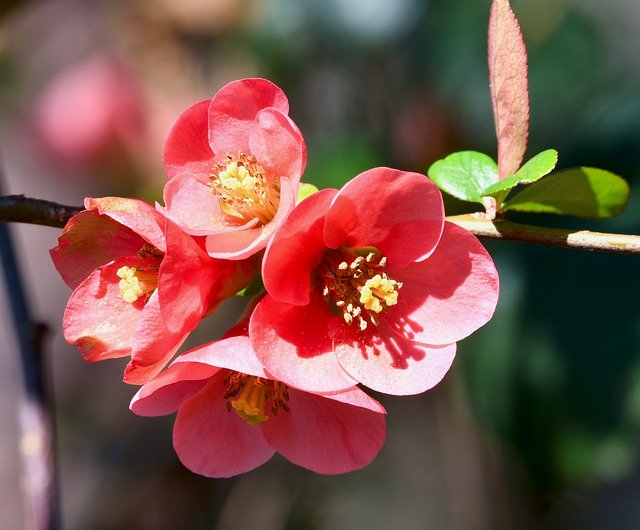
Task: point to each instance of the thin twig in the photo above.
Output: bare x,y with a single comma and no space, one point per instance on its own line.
21,209
555,237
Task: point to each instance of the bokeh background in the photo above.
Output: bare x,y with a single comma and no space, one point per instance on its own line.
536,426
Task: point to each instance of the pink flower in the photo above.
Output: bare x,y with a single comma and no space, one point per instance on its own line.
369,284
90,110
141,285
233,416
234,164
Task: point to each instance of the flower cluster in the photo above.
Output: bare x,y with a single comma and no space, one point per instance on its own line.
366,286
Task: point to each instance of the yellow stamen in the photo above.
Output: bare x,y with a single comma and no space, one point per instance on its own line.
376,289
253,394
243,190
135,282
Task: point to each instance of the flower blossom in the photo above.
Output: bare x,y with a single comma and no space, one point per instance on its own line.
369,284
234,165
232,416
141,285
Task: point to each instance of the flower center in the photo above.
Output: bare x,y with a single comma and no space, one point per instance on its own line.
140,280
243,191
355,285
248,395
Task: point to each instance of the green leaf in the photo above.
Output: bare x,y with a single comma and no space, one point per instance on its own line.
578,192
256,286
540,165
305,190
464,174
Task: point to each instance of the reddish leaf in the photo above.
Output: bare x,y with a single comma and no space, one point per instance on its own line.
509,87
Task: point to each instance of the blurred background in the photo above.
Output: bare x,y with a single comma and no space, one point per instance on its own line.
536,426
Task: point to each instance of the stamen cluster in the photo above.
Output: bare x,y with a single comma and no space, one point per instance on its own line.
356,286
241,186
248,395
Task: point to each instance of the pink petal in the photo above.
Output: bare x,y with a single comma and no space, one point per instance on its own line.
278,145
384,362
234,353
398,212
80,252
153,344
164,393
141,217
184,280
214,442
233,110
325,435
186,147
293,344
192,205
448,296
243,244
295,249
97,320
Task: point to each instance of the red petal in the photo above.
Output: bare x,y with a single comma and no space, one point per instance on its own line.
186,147
326,435
153,344
141,217
80,252
295,249
97,320
233,110
243,244
384,362
278,145
192,205
214,442
399,213
293,344
164,393
448,296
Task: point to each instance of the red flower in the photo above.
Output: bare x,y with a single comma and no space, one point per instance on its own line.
127,265
233,416
234,164
369,284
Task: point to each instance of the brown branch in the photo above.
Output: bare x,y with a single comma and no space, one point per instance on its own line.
555,237
21,209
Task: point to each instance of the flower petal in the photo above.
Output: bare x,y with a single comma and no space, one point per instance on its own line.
326,435
398,212
191,204
243,244
214,442
80,252
153,344
97,320
277,144
165,392
233,110
384,362
141,217
186,147
448,296
295,249
293,345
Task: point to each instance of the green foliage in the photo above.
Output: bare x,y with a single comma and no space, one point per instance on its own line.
578,192
305,190
536,168
465,174
255,287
